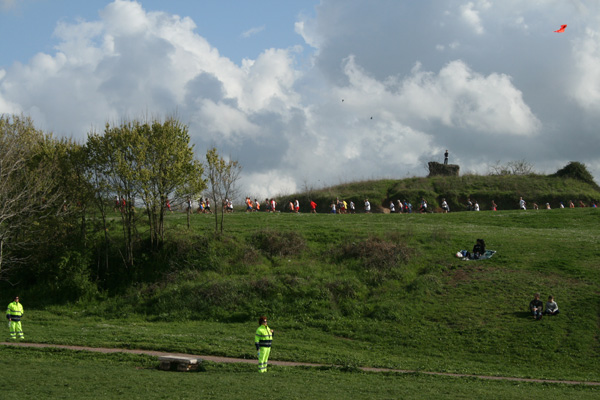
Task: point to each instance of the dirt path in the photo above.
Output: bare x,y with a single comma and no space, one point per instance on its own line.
287,363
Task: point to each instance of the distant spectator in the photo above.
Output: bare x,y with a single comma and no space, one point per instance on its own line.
522,204
423,207
476,206
446,157
297,206
535,206
352,207
551,306
399,208
548,206
392,207
256,205
571,205
445,207
581,204
367,206
313,207
469,204
494,206
536,307
291,206
562,205
333,205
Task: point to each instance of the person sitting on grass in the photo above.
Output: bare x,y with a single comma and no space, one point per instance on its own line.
536,307
478,249
551,306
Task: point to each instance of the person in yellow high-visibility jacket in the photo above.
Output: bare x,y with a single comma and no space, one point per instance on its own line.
14,312
262,340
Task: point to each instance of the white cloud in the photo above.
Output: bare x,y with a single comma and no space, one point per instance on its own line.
417,84
460,97
267,184
253,31
224,122
456,96
586,74
470,15
6,4
304,28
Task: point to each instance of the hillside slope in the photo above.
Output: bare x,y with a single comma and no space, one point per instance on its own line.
504,190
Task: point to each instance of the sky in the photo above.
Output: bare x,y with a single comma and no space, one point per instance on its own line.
306,93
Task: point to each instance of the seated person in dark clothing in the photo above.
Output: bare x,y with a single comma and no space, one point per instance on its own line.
536,307
478,249
551,306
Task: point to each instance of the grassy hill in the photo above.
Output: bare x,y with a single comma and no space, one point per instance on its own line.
367,289
570,183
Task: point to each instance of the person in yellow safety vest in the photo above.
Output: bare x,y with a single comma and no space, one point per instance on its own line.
14,312
262,340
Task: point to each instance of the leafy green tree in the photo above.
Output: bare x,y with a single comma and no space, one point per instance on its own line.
98,170
113,165
152,162
166,170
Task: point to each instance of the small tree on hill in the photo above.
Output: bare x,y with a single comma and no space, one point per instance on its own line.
222,177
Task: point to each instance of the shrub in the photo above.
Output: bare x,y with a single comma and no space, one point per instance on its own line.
375,253
274,243
576,170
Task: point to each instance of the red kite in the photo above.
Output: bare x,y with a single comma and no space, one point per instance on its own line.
562,29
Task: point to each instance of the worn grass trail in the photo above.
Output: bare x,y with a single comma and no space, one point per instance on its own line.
231,360
56,373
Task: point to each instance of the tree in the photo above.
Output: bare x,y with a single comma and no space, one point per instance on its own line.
222,177
152,162
31,196
166,170
520,167
113,162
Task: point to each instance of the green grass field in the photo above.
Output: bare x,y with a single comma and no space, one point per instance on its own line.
46,373
339,300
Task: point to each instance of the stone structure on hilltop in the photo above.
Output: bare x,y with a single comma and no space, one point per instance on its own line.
437,169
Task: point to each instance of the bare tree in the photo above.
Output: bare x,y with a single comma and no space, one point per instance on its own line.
222,177
520,167
30,193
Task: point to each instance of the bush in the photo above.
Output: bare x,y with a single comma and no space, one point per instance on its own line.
576,170
72,280
274,243
375,253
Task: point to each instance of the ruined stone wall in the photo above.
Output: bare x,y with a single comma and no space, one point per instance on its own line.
437,169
